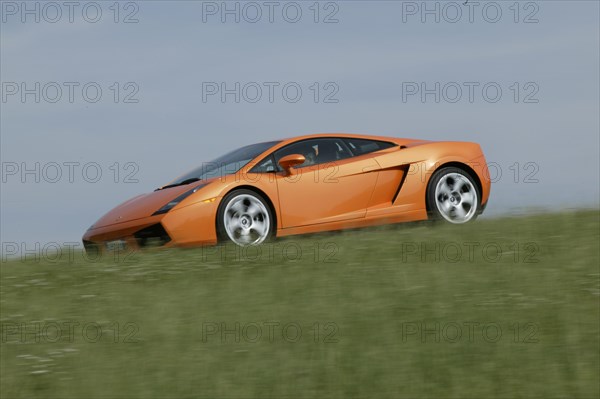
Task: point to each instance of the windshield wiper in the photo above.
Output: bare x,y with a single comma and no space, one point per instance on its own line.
181,183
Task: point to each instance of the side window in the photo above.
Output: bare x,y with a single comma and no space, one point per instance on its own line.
316,151
363,146
265,166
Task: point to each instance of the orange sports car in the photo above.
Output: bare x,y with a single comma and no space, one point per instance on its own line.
301,185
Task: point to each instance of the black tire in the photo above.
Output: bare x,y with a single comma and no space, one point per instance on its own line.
238,223
453,196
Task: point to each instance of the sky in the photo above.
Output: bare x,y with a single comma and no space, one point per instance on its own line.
101,101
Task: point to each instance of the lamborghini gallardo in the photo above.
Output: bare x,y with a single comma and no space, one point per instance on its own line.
301,185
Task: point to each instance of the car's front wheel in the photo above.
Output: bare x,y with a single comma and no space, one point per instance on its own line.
245,218
452,195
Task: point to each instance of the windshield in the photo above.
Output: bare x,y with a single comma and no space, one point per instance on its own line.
227,164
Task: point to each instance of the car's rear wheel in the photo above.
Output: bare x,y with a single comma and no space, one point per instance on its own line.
452,195
245,218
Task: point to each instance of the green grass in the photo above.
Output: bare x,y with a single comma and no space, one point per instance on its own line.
368,292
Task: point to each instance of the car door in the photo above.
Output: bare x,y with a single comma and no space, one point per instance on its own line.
332,185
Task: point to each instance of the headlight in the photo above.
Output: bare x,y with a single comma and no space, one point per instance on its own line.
167,207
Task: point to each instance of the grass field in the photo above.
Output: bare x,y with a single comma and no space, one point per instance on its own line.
500,308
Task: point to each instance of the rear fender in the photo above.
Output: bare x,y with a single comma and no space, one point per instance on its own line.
423,160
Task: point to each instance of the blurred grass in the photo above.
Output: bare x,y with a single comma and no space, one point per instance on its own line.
374,295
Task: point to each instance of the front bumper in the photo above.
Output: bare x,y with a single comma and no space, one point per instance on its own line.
192,225
132,235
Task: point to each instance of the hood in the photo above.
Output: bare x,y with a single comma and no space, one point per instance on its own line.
142,206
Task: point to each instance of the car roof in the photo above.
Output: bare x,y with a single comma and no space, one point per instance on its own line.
337,134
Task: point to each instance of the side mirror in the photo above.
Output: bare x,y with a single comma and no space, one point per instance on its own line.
289,161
